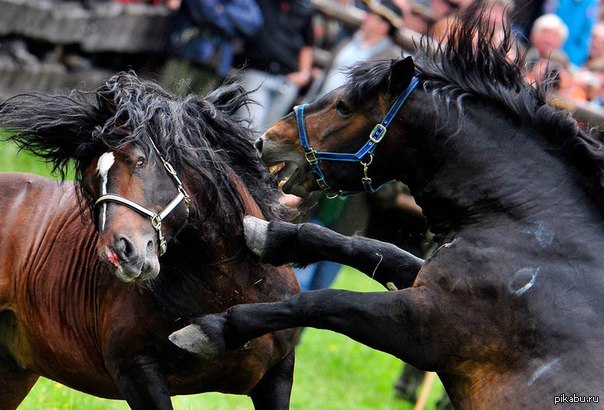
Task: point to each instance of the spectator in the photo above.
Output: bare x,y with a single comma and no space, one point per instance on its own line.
373,40
547,38
278,60
524,15
579,16
498,11
496,14
444,14
202,41
596,48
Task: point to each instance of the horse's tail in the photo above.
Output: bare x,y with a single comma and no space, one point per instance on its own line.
50,126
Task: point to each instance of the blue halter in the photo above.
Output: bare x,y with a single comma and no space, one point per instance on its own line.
377,134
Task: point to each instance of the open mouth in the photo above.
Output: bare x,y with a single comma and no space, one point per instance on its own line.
288,177
281,172
273,169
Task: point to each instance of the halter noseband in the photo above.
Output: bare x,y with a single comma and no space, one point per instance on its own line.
377,134
156,218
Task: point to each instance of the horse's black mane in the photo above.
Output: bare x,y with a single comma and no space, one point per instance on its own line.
198,136
464,68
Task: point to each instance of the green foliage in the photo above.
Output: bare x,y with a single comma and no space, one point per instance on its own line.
332,372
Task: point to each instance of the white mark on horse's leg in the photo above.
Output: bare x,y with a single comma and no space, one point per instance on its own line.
103,165
523,281
542,370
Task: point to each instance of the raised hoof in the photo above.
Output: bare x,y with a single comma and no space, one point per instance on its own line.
194,340
255,231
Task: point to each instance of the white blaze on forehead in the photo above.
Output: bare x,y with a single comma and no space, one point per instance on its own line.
103,166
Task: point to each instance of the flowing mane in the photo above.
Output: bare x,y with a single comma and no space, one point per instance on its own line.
199,135
463,68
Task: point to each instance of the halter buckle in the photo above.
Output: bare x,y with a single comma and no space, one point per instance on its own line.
377,133
169,167
311,156
323,184
156,222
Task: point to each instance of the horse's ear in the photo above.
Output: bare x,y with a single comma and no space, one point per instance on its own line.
401,73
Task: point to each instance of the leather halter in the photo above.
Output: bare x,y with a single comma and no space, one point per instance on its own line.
377,134
155,218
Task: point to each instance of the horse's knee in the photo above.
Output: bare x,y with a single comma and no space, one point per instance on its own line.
204,337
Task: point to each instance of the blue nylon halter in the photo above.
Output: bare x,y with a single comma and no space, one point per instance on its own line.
377,134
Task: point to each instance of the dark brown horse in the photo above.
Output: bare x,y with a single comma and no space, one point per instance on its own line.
510,309
166,174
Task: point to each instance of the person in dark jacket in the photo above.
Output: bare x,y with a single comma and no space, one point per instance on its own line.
202,42
277,61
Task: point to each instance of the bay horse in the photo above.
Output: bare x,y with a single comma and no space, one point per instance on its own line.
85,298
509,310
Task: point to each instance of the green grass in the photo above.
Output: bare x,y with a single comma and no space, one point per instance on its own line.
332,371
13,160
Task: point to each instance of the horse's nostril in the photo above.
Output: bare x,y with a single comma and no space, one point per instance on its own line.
124,248
258,145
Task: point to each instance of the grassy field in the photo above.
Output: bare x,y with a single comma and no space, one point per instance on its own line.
332,371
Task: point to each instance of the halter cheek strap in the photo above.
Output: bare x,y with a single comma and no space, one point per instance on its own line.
155,218
366,151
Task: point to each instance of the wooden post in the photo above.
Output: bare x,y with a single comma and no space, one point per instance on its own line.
425,390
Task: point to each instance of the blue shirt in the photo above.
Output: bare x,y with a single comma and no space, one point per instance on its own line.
580,17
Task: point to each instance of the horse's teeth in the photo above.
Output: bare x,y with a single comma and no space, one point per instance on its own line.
273,169
282,182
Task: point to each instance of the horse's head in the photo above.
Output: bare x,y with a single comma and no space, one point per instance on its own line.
139,204
130,150
335,143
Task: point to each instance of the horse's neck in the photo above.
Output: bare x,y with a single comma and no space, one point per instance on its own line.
194,255
492,170
250,205
196,274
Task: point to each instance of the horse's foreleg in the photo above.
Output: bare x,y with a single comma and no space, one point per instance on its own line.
281,242
394,322
274,390
15,384
142,384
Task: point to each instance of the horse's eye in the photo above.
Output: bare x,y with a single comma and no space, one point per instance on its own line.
343,108
140,162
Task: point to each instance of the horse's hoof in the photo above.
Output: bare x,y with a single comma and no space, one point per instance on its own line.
255,231
194,340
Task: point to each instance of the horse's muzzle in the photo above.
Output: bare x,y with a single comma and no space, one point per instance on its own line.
131,263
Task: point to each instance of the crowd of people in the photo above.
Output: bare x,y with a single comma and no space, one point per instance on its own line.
269,44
